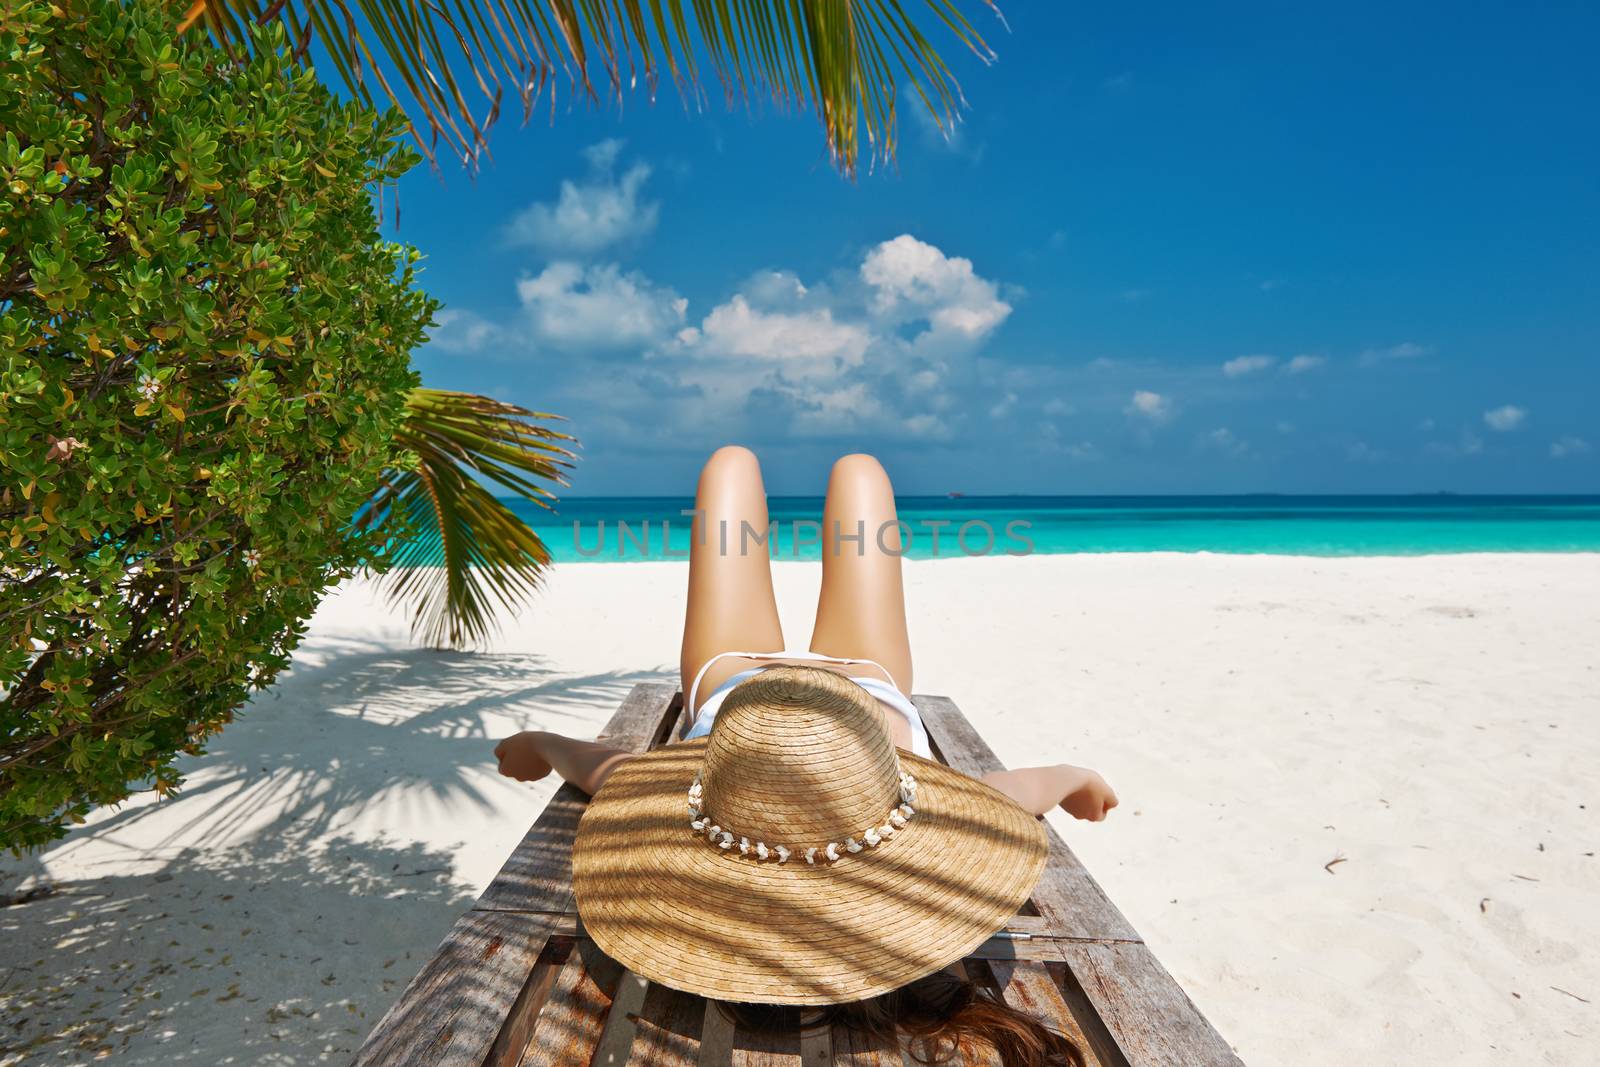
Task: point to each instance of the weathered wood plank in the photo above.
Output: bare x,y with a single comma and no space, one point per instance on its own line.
644,708
765,1050
574,1016
668,1033
524,1015
852,1048
538,875
816,1046
616,1040
453,1010
716,1037
1067,894
1147,1015
1028,987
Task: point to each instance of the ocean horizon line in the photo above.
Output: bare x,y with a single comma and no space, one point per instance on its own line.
620,528
1264,494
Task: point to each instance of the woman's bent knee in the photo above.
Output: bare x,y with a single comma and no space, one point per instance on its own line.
731,459
859,466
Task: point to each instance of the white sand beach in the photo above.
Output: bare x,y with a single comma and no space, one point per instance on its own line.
1360,802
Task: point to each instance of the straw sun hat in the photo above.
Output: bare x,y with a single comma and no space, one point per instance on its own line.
670,880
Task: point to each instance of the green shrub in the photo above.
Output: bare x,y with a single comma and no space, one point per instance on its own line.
204,353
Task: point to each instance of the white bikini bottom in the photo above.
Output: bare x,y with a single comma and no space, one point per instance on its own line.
886,692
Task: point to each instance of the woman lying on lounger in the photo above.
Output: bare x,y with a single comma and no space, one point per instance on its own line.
799,845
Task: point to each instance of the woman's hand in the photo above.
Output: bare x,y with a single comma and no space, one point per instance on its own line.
1088,796
1078,791
522,757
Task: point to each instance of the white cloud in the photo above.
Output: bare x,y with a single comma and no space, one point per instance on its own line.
602,155
897,354
891,346
1569,445
836,410
1243,365
602,306
1468,444
1361,452
1003,406
1304,363
1056,406
1505,419
1151,406
588,217
462,331
947,135
813,336
1224,440
1402,351
912,280
1078,451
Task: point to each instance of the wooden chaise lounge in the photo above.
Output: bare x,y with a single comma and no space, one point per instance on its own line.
516,983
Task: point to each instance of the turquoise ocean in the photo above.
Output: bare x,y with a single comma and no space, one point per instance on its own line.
611,529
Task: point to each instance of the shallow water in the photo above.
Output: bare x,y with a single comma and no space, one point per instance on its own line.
608,529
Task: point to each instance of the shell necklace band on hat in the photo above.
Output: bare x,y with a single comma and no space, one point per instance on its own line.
830,852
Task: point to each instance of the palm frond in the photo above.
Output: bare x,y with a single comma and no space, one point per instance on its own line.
457,550
447,63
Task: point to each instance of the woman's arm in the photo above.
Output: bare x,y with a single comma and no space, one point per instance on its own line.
532,754
1079,791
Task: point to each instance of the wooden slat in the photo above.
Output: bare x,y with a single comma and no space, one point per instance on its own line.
616,1040
520,1021
816,1046
765,1050
1067,894
1028,987
538,876
852,1048
668,1033
573,1018
1152,1022
716,1037
451,1013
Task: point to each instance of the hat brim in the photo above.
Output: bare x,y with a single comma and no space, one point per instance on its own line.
660,900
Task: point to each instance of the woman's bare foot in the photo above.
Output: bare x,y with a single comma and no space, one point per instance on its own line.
521,758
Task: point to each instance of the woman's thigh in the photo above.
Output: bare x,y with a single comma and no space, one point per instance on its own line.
861,611
730,605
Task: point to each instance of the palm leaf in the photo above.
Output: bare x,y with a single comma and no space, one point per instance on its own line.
447,63
457,550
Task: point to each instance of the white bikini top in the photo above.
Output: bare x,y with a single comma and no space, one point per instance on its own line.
815,657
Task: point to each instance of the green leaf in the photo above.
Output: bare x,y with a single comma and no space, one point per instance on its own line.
457,551
448,65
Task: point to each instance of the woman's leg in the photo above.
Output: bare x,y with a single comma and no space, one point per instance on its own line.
861,613
731,605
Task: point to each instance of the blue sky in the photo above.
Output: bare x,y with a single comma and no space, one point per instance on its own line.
1245,248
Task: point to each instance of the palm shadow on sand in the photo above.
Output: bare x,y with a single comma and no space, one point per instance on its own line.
280,902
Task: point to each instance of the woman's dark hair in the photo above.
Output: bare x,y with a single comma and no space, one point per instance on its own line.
942,1015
